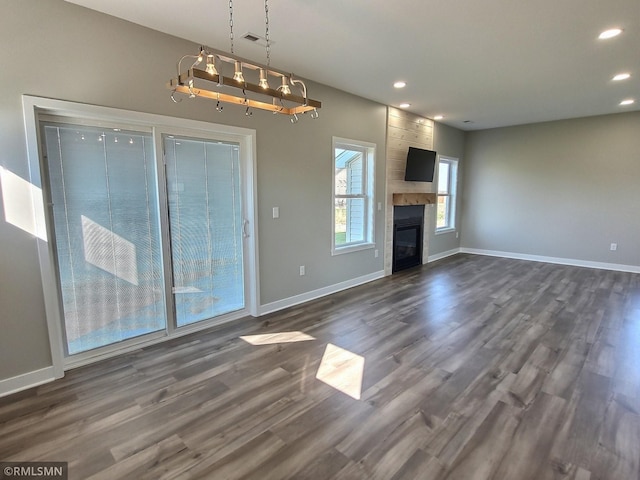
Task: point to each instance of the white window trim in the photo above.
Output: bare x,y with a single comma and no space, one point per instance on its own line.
453,187
369,167
33,108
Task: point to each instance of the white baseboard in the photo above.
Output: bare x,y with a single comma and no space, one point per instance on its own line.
321,292
26,380
440,256
560,261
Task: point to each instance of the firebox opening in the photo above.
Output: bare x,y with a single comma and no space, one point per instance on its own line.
408,222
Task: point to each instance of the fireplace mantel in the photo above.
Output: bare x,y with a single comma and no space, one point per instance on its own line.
414,198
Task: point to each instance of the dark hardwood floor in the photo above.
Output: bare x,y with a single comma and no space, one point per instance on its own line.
470,368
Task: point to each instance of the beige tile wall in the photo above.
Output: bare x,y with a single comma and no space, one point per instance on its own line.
404,130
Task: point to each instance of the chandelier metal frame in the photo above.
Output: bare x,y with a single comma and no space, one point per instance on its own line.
210,83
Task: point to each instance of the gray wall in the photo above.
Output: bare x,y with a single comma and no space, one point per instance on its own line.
563,189
448,142
58,50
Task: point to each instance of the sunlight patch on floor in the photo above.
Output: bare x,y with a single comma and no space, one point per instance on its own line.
278,337
342,370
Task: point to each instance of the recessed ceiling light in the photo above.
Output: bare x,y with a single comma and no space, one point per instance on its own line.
628,101
613,32
438,117
400,84
621,76
405,105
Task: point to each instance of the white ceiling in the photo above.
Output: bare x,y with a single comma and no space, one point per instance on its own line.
491,62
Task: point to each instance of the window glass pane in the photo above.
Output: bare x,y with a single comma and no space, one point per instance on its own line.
442,212
107,236
355,220
349,220
355,179
205,217
349,172
340,228
443,177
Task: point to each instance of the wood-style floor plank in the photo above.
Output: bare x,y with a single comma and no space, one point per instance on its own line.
474,368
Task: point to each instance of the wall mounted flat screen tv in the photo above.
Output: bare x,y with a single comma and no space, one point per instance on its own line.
420,165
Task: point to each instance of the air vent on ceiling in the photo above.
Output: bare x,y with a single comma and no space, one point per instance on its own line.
257,39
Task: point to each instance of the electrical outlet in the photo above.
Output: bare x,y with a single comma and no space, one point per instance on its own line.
302,272
614,247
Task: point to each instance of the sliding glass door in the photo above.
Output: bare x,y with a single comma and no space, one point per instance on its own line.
205,220
117,279
107,234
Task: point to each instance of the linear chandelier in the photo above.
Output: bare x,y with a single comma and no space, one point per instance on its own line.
212,82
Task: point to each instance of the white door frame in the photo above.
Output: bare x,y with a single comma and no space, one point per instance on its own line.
33,107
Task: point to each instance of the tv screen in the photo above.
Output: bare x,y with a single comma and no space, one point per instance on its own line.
420,165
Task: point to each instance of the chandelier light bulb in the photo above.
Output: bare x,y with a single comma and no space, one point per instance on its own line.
211,65
237,76
284,88
263,79
200,58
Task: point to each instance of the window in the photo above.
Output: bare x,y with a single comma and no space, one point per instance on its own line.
353,163
447,185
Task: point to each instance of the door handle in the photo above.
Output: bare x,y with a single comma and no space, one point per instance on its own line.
245,228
